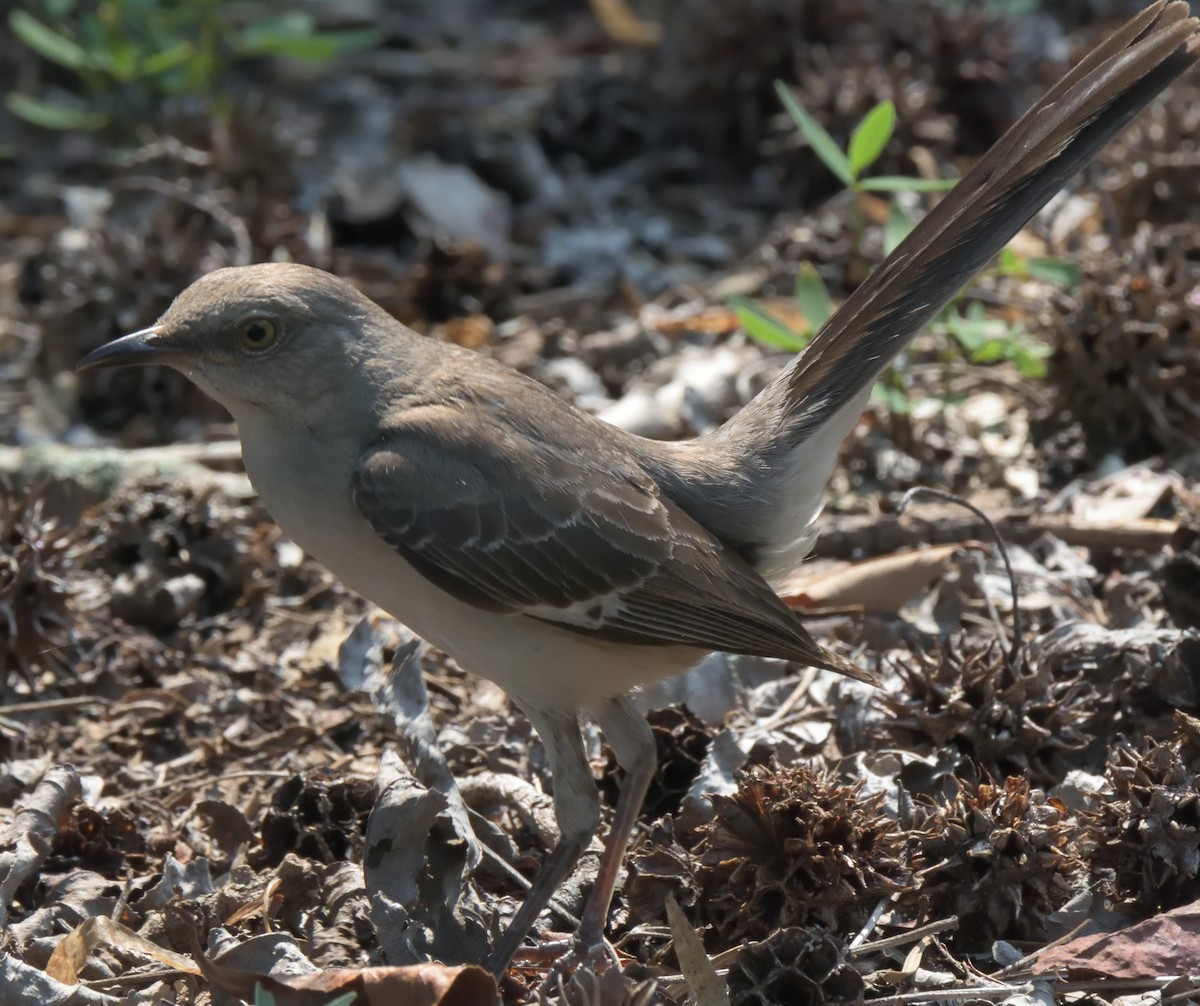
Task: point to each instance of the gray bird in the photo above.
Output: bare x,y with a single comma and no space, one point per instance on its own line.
564,559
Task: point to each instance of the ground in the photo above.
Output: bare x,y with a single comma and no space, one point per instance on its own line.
198,720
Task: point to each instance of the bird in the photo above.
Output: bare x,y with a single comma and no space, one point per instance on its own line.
563,558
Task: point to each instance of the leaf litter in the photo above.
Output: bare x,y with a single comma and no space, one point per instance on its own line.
218,761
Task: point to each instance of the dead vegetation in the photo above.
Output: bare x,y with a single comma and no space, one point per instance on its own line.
195,714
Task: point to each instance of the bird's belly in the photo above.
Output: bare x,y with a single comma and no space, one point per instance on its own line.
537,663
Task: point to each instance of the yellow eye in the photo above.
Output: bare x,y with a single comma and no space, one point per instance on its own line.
256,333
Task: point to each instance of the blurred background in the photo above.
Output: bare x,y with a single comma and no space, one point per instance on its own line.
529,176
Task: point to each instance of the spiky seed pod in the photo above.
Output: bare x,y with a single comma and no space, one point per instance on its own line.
795,846
163,533
37,627
1008,720
794,967
999,857
682,741
1146,835
109,841
1126,363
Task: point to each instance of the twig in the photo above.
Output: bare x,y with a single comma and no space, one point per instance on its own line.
48,705
1028,959
244,247
903,939
953,995
1014,651
869,926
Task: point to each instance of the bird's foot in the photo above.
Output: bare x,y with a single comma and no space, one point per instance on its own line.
596,955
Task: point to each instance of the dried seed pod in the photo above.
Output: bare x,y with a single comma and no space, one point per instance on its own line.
794,967
1144,838
318,818
682,741
795,846
1008,720
1000,857
38,632
1126,363
659,867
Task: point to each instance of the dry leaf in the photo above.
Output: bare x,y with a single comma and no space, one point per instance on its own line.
1167,944
879,586
71,954
624,25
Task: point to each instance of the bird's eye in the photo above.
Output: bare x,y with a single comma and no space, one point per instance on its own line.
256,333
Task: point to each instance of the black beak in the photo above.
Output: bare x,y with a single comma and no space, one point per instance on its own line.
140,348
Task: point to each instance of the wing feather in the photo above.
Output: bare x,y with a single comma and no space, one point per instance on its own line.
528,526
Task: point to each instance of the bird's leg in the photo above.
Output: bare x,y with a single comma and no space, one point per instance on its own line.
577,807
633,743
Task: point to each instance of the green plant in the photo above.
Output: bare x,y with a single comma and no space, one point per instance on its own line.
977,337
263,997
867,142
127,52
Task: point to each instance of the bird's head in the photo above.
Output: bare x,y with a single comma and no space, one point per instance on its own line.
275,337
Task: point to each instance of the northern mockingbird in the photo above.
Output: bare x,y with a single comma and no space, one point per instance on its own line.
565,559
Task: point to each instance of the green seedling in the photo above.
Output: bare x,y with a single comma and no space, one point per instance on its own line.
971,333
126,54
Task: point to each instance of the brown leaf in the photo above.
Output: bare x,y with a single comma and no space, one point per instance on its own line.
1167,944
72,952
880,586
413,985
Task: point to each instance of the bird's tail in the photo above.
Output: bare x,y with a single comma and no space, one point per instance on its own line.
785,441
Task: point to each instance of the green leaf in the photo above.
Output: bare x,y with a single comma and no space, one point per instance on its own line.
48,43
166,60
899,225
123,60
870,136
1010,262
345,1000
1054,270
51,116
1030,359
973,329
351,38
892,398
822,143
764,327
903,183
812,297
991,350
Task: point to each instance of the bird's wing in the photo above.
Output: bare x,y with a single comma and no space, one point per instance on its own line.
523,524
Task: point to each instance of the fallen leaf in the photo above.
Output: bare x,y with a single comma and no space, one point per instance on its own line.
1167,944
72,952
879,586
